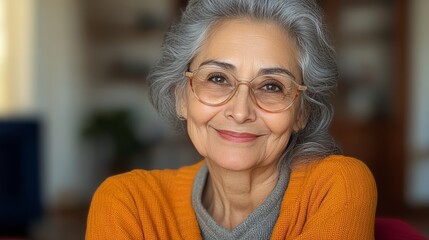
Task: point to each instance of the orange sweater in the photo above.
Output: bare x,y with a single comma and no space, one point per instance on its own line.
334,198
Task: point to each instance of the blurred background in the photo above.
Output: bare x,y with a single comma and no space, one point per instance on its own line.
74,107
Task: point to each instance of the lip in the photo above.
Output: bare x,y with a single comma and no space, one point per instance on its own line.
237,137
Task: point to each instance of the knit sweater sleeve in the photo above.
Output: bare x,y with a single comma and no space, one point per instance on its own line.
333,198
342,201
144,204
113,213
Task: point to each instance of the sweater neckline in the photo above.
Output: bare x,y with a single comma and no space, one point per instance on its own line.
258,225
182,188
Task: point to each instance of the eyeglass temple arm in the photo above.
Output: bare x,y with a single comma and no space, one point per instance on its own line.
189,74
302,87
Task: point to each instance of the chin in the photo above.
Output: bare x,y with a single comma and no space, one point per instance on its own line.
234,164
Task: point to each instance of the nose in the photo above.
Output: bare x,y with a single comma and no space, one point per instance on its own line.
240,107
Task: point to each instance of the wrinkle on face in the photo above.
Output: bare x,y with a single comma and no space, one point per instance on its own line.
245,47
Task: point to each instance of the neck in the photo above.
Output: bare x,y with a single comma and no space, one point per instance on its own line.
231,196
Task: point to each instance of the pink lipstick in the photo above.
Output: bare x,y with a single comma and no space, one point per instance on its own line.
237,137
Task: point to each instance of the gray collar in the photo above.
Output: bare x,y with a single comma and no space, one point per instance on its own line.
258,225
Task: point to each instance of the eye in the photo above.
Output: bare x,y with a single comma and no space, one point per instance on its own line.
217,78
272,86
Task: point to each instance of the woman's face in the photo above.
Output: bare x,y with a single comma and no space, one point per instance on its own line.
239,135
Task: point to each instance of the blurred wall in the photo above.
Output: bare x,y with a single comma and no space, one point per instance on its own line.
418,164
16,62
60,89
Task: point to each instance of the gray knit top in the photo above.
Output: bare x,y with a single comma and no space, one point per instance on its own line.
258,225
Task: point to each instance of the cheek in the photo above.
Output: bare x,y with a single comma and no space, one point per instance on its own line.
198,114
198,119
281,128
282,123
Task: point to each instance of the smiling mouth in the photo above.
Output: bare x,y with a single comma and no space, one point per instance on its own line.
237,137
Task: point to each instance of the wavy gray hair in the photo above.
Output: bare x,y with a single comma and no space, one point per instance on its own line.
301,18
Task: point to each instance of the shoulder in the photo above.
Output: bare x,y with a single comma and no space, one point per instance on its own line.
139,204
335,165
331,198
148,182
346,177
342,166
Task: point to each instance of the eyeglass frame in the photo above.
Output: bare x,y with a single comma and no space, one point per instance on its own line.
190,75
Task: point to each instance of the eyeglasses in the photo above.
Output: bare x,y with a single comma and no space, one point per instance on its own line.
215,86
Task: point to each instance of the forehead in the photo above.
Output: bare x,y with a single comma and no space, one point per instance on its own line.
247,43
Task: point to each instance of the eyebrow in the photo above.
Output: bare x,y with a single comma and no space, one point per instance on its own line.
219,64
267,71
263,71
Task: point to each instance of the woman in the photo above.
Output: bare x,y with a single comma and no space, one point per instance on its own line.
250,81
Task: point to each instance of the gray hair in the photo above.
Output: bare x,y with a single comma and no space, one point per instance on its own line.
300,18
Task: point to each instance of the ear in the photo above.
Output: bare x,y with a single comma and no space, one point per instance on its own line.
181,102
301,119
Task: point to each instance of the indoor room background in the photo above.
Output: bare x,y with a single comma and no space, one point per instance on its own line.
74,105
